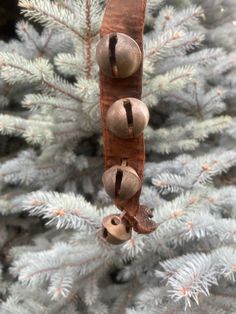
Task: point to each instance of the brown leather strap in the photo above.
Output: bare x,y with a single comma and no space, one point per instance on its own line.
124,16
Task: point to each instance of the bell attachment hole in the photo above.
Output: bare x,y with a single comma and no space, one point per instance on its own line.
105,233
112,53
115,221
129,115
119,176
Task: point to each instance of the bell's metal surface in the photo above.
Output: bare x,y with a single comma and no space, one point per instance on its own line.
118,55
121,182
127,118
115,230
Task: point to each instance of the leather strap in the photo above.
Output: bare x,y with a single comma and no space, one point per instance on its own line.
125,16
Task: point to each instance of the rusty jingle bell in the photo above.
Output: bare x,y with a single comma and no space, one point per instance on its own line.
115,229
127,118
118,55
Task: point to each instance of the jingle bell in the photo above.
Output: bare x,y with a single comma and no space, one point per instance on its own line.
115,230
118,55
127,118
121,182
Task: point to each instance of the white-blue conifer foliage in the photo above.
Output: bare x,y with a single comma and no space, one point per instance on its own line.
189,86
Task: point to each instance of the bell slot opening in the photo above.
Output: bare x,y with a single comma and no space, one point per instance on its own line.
119,176
112,53
129,115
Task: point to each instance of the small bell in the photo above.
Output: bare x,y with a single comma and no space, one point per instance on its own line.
118,55
121,182
127,117
116,230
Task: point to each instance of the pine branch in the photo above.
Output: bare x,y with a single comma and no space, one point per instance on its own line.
50,14
17,69
164,84
63,210
175,139
191,278
195,173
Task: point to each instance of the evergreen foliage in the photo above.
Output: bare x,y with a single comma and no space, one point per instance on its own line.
57,260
